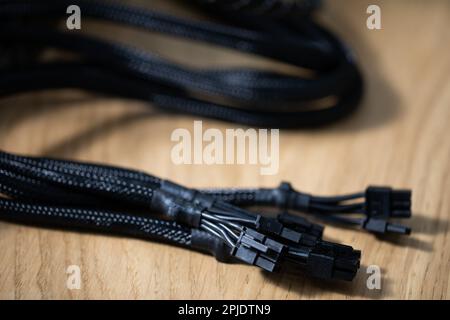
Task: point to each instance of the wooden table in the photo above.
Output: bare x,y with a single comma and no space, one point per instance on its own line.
399,136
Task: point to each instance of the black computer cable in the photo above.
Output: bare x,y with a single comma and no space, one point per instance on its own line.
327,86
369,210
84,196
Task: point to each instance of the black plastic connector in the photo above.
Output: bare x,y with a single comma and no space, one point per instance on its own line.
277,229
320,265
300,224
273,227
326,261
339,249
256,249
382,226
385,202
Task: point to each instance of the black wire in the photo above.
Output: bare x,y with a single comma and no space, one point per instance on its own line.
132,203
350,208
107,199
253,97
79,218
56,182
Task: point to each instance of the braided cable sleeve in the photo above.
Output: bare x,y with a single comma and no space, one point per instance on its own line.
25,188
40,177
303,53
95,220
269,8
239,84
122,204
252,97
85,168
81,180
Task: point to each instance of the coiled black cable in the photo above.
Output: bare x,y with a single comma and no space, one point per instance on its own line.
252,97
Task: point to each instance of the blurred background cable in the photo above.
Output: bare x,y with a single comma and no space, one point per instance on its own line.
327,86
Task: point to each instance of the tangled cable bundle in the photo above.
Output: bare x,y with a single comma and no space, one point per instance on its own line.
82,196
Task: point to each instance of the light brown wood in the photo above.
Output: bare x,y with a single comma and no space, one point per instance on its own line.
399,136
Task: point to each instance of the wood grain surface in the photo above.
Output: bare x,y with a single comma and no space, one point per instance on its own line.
400,136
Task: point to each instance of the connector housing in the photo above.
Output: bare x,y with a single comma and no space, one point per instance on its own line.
388,203
330,261
274,227
300,224
256,249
